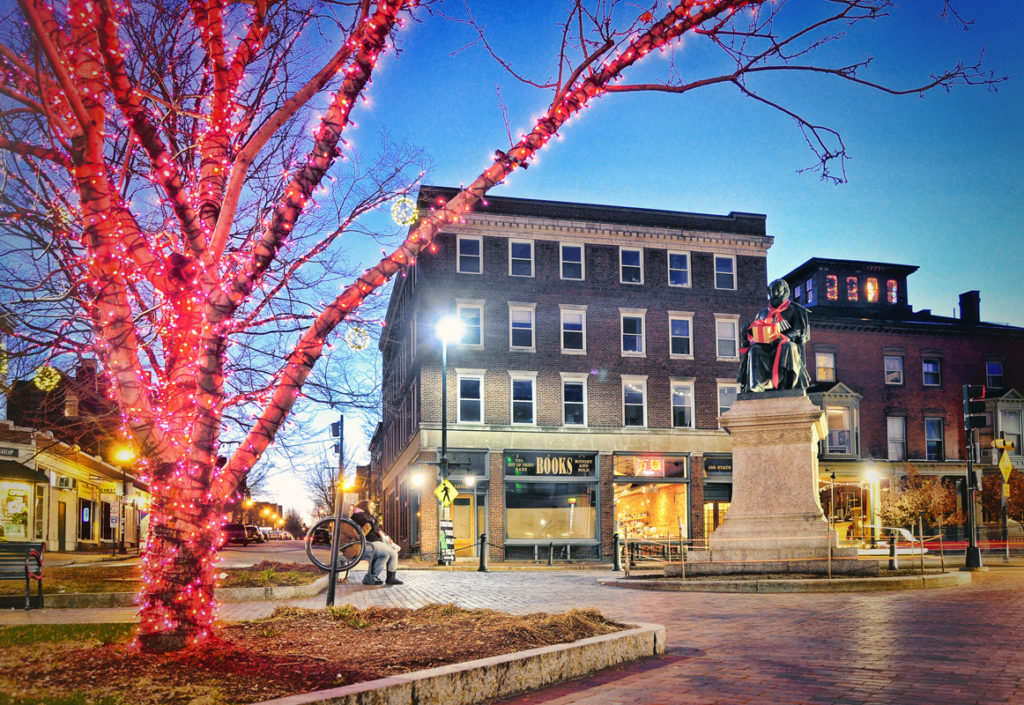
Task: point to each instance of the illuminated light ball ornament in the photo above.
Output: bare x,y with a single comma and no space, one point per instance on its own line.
47,378
357,338
403,211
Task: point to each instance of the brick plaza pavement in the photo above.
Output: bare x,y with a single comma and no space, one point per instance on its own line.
922,647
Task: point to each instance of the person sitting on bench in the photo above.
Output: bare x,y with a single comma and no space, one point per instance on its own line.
383,547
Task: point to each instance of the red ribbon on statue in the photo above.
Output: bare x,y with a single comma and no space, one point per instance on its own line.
767,330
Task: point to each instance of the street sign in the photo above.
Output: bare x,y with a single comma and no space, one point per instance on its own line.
446,493
447,540
1005,466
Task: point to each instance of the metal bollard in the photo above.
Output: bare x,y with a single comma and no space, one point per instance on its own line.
483,554
551,553
616,553
894,561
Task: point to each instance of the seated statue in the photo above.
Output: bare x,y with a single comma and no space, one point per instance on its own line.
772,352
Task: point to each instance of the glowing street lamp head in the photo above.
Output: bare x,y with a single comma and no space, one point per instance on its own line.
123,455
871,476
450,329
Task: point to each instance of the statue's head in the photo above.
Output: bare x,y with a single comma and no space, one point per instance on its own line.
778,292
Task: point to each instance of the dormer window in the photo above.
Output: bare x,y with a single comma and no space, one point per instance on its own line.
832,287
871,290
891,291
851,288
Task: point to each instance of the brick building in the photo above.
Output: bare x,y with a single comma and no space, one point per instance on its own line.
600,348
890,380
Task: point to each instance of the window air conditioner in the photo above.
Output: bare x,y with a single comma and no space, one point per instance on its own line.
65,483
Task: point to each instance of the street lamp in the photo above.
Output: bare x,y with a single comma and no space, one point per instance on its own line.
123,457
449,329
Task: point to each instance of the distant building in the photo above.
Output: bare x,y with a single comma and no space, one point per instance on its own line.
890,380
601,346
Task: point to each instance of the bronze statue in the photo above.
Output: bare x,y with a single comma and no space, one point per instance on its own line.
772,356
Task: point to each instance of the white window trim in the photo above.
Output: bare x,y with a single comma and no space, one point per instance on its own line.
458,251
941,439
583,261
472,303
632,313
581,377
689,269
889,441
633,379
735,320
680,316
735,274
688,382
571,308
833,368
623,248
854,430
533,258
532,308
1002,374
461,372
718,393
938,361
903,371
514,375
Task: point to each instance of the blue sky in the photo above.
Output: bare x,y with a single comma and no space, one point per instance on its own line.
934,181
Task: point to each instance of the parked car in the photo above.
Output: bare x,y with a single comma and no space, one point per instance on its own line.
253,533
322,536
287,535
235,533
267,533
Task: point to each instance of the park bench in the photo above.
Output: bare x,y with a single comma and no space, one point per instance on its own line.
23,559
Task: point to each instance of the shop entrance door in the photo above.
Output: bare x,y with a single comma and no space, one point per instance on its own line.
468,522
62,526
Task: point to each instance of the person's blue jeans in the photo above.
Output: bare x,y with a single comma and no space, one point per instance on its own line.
377,554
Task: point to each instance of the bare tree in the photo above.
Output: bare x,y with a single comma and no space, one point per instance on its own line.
162,189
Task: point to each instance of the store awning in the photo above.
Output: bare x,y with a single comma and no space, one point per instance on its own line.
11,470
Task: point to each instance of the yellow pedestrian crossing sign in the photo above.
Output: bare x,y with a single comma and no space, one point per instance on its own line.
1005,466
446,493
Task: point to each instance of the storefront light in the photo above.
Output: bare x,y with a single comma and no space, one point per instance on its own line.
416,479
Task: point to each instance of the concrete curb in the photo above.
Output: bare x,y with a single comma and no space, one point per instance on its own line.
486,679
909,582
85,600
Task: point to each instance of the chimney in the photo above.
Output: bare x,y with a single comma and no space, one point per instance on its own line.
970,307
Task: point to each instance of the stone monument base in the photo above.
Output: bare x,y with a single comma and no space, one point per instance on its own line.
775,523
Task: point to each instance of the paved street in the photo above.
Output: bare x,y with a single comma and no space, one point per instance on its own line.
932,647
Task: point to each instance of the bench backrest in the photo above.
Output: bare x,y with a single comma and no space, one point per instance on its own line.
14,553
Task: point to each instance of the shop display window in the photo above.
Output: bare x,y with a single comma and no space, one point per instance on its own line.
550,510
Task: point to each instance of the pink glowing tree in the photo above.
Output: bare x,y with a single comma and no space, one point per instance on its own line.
146,143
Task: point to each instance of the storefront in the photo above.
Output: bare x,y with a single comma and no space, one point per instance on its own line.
652,496
22,499
717,490
551,504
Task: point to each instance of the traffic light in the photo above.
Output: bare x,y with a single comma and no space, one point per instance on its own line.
974,406
335,429
1003,444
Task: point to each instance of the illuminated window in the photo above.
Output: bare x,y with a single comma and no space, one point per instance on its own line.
832,287
825,366
682,404
809,288
891,290
871,290
839,440
851,288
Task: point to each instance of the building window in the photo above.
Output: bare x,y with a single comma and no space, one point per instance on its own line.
682,404
825,366
809,288
931,367
472,316
893,369
727,392
725,336
71,405
680,327
679,269
933,439
520,322
832,287
891,291
631,266
550,511
871,290
572,262
574,400
1010,426
471,398
574,328
851,288
994,374
839,430
634,401
896,431
520,258
632,326
725,272
469,261
523,398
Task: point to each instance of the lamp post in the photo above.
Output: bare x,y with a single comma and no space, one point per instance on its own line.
123,456
449,329
872,478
